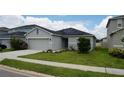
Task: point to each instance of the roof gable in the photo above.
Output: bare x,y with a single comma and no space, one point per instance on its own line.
114,18
28,28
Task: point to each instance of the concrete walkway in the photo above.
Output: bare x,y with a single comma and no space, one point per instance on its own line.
74,66
14,54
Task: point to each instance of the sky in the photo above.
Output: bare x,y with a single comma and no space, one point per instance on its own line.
94,24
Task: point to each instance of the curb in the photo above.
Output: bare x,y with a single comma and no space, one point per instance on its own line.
24,72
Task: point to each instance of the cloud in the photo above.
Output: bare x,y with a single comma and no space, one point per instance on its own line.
17,20
100,30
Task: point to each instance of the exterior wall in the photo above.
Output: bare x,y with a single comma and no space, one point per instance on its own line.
72,42
41,33
111,28
116,39
56,43
3,32
6,42
104,43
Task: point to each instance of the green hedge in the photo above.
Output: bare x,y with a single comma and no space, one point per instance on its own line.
83,45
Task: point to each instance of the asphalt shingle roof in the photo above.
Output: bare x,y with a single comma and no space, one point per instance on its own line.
4,29
27,28
72,31
20,31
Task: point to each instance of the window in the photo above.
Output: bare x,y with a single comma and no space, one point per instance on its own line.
119,23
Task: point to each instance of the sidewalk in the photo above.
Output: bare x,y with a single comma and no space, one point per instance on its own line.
74,66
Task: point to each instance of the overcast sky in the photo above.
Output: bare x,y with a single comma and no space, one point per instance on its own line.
93,24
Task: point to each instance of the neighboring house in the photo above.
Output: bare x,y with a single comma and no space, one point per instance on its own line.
115,32
40,38
4,37
103,42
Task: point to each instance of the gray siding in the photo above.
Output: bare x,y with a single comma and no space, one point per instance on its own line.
41,33
6,42
116,39
3,32
56,43
111,27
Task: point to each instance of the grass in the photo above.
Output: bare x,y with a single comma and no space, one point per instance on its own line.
6,50
56,71
98,57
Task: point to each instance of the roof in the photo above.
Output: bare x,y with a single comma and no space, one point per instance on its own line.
72,31
115,18
22,30
28,27
116,31
4,29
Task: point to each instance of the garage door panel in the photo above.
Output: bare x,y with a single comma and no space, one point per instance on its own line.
39,44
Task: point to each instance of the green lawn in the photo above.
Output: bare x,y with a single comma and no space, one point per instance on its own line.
99,57
55,71
6,50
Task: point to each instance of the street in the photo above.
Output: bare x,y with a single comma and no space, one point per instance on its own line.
5,73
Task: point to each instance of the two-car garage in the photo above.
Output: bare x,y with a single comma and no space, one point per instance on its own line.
39,43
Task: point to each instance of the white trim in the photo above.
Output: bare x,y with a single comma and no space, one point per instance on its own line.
38,37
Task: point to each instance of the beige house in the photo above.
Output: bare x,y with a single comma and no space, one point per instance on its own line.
115,32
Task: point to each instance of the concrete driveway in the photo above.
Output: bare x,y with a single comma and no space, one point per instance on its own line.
14,54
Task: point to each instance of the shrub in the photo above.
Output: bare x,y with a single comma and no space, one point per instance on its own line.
0,49
18,44
83,45
3,46
116,52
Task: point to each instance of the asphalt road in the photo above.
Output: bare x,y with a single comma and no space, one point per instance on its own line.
5,73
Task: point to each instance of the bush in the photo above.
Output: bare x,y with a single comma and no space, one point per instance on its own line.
116,52
3,46
83,45
0,49
18,44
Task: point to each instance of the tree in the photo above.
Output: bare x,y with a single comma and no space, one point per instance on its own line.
18,44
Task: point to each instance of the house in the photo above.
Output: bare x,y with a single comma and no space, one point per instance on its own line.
40,38
115,32
103,42
4,38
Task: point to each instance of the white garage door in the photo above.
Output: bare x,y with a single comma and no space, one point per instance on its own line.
39,44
